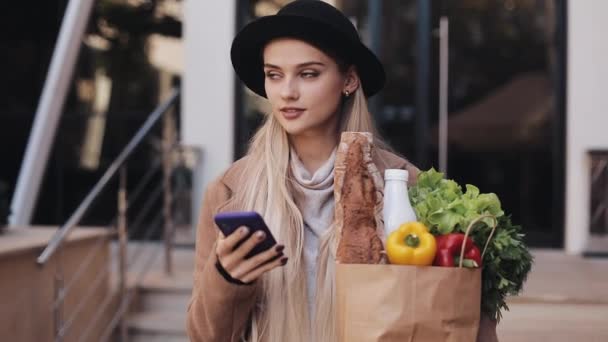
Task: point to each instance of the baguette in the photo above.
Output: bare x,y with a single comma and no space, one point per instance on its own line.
358,194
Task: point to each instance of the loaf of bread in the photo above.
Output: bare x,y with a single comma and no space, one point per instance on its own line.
358,194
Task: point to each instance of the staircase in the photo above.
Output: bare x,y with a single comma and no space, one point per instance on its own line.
564,300
158,310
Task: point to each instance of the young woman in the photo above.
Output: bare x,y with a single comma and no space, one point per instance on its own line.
310,64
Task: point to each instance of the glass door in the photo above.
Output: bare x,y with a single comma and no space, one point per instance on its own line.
506,109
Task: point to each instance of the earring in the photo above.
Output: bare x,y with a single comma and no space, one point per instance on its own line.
346,93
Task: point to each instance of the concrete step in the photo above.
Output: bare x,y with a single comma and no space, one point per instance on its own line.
158,291
144,338
159,312
534,322
157,324
185,236
150,301
158,309
559,278
564,299
151,255
158,280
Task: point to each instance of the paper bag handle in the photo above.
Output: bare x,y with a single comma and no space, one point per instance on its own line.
466,235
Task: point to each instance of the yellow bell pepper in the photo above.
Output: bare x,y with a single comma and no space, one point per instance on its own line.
411,244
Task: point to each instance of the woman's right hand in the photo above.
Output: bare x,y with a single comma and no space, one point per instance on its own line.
247,270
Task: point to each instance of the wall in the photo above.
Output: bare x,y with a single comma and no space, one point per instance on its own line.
208,84
587,110
27,290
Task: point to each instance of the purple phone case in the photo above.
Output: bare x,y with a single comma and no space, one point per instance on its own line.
228,222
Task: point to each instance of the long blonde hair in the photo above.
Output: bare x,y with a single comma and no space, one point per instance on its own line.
282,310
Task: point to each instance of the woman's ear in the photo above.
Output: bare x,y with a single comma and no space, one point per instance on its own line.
351,81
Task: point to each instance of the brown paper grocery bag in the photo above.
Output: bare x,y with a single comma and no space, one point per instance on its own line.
395,303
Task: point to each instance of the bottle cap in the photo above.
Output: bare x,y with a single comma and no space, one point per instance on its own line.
396,174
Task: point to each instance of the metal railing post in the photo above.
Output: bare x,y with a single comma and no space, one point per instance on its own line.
168,141
58,303
122,238
444,65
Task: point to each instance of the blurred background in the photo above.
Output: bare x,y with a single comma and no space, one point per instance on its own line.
505,96
509,95
506,93
119,77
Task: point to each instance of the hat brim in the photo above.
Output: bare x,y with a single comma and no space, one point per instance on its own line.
247,48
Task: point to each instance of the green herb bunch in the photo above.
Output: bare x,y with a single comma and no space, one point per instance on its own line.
442,205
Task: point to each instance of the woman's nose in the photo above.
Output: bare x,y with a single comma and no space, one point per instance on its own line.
289,89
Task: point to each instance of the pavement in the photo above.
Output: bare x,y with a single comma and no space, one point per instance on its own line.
564,299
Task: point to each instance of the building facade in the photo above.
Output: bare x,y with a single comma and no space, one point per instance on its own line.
525,85
525,98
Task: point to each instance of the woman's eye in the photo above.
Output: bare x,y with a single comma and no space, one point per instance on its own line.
272,75
310,74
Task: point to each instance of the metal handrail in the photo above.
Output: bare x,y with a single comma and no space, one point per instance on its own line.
82,209
93,251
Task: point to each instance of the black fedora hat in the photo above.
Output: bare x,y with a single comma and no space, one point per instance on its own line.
313,21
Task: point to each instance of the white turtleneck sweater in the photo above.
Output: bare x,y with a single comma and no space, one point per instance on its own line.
314,196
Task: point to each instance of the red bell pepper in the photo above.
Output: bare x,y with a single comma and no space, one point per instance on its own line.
448,251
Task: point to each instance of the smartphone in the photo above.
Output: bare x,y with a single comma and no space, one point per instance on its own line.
230,221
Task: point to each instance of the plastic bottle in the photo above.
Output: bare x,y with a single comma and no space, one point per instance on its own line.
397,207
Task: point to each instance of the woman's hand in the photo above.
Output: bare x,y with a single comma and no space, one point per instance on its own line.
247,270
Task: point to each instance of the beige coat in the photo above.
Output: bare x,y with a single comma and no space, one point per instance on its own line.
219,311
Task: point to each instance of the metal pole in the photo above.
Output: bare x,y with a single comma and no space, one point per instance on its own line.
122,238
375,44
167,147
49,109
443,93
58,300
423,81
605,198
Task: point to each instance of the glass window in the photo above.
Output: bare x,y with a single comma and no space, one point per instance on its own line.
506,114
128,62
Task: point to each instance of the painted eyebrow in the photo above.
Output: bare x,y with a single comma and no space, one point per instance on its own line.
268,65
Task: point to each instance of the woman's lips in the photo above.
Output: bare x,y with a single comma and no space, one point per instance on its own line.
292,113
